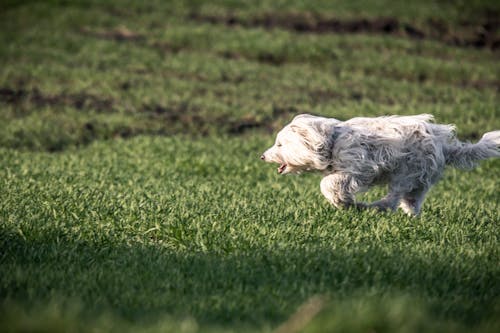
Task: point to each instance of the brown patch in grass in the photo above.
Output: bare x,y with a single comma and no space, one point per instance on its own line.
175,118
77,100
304,22
185,118
269,123
241,126
120,33
481,34
262,57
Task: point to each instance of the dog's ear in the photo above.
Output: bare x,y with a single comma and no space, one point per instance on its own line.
309,135
300,130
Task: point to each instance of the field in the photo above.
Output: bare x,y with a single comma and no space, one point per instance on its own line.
132,197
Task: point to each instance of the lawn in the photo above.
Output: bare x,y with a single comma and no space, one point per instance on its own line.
132,197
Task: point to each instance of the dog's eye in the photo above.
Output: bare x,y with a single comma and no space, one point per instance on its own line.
278,145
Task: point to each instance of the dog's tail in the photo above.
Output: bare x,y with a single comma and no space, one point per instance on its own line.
466,155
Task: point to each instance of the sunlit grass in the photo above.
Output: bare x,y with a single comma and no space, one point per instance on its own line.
204,229
132,197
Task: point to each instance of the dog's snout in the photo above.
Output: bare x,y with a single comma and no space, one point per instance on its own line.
262,157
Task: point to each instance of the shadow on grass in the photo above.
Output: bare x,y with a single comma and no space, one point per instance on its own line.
139,283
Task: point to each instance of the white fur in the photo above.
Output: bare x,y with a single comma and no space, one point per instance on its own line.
409,153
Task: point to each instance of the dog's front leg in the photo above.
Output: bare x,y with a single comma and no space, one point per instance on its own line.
340,189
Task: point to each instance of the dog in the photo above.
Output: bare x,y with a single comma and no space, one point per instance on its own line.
409,153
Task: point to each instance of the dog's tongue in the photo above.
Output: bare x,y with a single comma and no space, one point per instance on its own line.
282,168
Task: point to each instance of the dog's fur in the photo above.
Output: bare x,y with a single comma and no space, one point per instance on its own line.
409,153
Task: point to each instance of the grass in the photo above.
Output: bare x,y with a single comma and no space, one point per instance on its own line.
100,73
131,193
151,226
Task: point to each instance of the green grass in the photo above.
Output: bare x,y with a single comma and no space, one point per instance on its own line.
131,193
184,76
200,229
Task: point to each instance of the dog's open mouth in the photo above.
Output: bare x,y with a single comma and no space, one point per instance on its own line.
282,168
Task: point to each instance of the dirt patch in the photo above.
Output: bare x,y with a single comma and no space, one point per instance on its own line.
304,22
422,78
176,118
183,113
11,96
149,119
269,124
120,33
123,34
185,118
262,57
79,100
269,58
483,34
413,32
241,126
481,84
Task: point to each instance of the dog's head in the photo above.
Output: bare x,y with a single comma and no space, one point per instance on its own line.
302,145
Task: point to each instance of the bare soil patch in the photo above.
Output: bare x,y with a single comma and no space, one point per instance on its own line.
481,34
148,119
34,96
186,119
120,33
304,22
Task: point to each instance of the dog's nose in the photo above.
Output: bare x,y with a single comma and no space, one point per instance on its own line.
262,157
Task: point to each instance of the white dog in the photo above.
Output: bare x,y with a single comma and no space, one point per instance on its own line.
409,153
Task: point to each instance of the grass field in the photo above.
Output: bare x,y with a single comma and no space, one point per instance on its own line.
132,197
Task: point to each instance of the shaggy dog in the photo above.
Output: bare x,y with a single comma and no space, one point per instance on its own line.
409,153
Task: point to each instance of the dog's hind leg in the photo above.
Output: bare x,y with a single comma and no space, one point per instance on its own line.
389,202
340,189
412,202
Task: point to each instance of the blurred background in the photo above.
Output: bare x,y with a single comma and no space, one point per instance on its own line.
72,72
